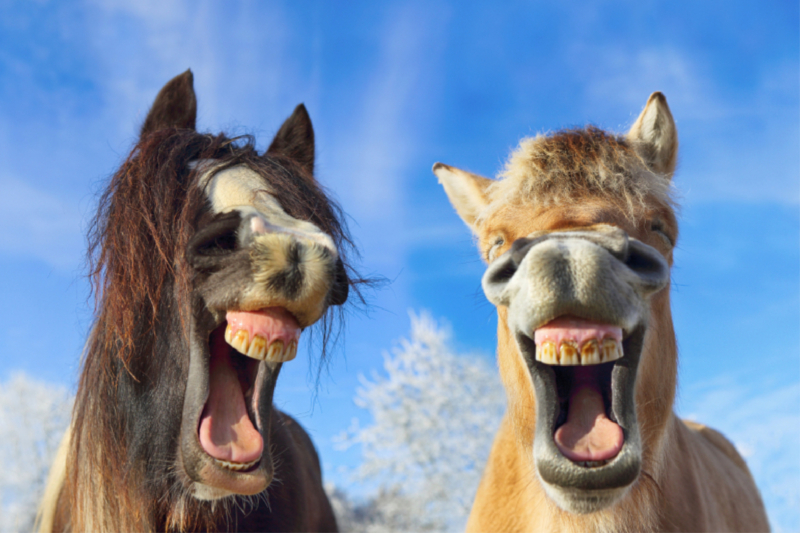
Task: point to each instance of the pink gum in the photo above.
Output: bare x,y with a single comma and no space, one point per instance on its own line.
273,323
575,330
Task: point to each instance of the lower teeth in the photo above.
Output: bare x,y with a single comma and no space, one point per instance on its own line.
236,466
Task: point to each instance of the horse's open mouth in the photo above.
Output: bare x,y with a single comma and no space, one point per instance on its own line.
230,427
228,404
587,437
582,355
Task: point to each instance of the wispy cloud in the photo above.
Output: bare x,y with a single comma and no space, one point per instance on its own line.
37,224
373,156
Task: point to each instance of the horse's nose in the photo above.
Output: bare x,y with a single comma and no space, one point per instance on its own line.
556,256
519,250
288,259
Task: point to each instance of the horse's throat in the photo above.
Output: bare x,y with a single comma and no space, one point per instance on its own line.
588,434
226,431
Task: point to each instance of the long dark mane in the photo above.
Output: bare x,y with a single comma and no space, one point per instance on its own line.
128,397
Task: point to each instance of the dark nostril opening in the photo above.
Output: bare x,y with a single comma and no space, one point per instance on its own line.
504,273
214,240
341,285
506,266
648,264
642,263
519,249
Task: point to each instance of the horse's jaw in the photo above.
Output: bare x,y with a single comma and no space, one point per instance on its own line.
210,478
586,487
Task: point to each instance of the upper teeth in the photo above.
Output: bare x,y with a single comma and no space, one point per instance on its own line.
592,352
258,347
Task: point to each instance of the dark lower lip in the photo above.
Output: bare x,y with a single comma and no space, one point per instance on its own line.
246,483
558,470
197,464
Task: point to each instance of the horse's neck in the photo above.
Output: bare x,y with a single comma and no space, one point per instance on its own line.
511,498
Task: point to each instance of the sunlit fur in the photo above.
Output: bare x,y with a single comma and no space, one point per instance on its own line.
692,478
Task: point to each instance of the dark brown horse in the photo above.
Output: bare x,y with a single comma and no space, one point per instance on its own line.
208,261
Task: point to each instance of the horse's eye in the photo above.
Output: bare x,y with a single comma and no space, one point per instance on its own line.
499,241
658,227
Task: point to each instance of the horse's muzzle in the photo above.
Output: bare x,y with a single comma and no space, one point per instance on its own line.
601,280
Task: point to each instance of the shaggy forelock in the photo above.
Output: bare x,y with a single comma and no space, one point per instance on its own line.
575,164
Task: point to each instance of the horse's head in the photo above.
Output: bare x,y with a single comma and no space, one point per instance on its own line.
579,236
211,261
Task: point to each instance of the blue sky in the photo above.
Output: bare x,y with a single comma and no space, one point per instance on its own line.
391,88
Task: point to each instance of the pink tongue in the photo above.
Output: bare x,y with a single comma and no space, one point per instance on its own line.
226,432
588,434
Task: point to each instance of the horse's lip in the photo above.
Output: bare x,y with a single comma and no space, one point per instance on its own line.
200,467
552,466
626,332
219,315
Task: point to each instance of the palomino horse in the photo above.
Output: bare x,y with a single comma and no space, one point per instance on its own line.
579,234
208,259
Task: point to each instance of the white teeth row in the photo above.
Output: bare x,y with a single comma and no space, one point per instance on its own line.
236,466
593,352
257,348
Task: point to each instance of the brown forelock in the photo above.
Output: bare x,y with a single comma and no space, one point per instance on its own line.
137,268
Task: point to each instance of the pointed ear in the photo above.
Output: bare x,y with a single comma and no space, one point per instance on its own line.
295,139
655,136
466,191
175,106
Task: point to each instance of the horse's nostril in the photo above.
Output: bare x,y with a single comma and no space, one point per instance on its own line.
651,268
519,250
341,285
213,241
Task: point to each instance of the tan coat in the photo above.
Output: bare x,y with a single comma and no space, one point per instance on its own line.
688,477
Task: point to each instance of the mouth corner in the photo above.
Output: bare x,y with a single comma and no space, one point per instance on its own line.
590,455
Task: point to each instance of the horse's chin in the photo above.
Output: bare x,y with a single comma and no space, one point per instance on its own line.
225,437
586,486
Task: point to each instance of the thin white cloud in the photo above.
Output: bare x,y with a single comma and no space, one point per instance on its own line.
239,75
37,224
377,154
623,78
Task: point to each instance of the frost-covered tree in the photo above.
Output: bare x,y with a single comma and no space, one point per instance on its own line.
434,415
33,417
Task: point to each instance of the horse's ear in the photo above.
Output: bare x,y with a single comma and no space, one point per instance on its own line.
175,106
295,139
655,137
466,191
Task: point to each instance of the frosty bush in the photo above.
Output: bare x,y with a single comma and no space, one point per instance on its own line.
33,417
434,416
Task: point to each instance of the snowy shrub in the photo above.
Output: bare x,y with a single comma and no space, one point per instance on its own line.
434,415
33,417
